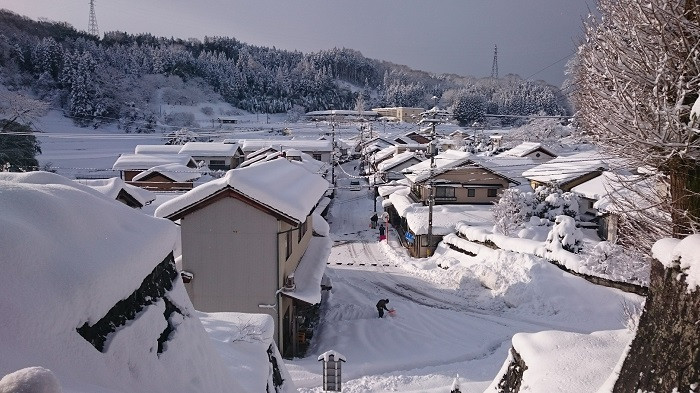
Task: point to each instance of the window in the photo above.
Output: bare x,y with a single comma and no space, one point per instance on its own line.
289,244
492,192
217,165
317,156
444,192
471,192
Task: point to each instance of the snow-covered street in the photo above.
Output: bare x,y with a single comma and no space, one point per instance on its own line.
448,323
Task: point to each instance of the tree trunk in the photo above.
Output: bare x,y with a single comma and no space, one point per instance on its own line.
665,353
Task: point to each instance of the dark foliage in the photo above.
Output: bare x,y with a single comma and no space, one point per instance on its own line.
17,150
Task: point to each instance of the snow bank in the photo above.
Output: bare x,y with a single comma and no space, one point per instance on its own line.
683,254
70,255
569,362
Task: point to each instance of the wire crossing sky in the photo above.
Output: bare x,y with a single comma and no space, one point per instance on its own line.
535,38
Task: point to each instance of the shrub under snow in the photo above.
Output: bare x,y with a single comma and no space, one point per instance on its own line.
564,236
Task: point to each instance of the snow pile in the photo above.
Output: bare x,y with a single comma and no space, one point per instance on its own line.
245,343
683,254
568,362
30,380
70,255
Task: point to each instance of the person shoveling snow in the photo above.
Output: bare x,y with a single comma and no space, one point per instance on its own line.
381,306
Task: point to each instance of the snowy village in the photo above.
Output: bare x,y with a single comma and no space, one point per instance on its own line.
185,215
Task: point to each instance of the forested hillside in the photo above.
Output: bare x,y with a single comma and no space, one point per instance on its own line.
118,76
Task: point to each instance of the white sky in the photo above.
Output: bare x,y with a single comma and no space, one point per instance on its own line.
450,36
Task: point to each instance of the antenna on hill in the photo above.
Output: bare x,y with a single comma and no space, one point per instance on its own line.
494,66
92,27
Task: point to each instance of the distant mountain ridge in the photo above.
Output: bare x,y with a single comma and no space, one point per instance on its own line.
115,78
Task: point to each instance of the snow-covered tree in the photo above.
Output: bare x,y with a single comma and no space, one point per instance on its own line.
511,210
638,74
469,108
564,236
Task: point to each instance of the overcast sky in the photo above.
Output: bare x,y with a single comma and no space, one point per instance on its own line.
534,37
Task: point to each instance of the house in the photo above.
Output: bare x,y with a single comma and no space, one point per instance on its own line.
400,113
131,165
167,177
248,243
567,172
533,150
319,149
411,220
215,155
121,191
392,169
606,198
458,178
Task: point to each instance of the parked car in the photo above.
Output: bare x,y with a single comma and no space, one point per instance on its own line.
355,185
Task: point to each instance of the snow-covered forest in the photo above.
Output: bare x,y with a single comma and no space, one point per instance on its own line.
115,78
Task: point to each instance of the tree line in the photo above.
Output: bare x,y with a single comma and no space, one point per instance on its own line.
116,77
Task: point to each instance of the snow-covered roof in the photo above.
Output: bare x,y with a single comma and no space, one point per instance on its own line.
266,150
157,149
526,148
309,272
336,356
209,149
251,145
144,161
279,184
307,162
113,186
384,153
174,172
69,255
600,186
564,169
342,112
451,159
396,160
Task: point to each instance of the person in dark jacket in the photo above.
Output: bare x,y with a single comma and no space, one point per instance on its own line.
381,230
381,306
374,220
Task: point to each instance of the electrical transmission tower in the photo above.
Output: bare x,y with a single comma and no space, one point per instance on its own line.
92,27
494,67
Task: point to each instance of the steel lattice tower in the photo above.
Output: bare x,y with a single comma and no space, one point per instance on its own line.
92,27
494,66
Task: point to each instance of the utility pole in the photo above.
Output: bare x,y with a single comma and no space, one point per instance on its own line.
433,117
333,152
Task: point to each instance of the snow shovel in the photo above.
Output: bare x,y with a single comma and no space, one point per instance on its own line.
392,313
